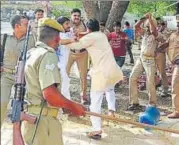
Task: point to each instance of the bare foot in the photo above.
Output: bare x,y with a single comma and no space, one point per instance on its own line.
111,113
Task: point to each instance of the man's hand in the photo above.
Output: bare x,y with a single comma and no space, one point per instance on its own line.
78,109
148,15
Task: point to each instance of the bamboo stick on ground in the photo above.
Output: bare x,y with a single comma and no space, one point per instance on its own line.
132,122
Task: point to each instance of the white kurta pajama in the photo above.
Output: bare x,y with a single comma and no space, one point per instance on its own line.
105,72
63,54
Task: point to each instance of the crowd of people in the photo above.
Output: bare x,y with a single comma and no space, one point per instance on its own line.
55,45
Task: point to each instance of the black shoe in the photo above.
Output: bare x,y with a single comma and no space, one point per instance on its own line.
133,107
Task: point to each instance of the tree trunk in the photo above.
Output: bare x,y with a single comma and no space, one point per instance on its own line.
117,11
177,8
91,9
105,7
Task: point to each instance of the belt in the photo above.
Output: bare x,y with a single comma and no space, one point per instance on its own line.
7,70
47,111
147,57
78,51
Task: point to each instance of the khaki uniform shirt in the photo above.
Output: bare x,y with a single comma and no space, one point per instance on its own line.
41,71
105,71
166,34
149,44
13,48
173,49
34,28
80,28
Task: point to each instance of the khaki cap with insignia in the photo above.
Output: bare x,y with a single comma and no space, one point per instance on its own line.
177,18
50,23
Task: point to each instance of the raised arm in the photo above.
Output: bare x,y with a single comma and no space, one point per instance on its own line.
137,26
85,42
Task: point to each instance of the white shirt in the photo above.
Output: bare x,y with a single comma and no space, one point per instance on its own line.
63,52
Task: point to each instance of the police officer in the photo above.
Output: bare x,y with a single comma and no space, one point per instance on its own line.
146,62
43,83
161,59
39,13
173,54
79,56
13,46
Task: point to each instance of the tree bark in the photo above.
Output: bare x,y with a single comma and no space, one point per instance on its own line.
91,9
105,7
117,11
177,8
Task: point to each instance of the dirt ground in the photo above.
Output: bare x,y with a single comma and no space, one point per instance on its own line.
74,129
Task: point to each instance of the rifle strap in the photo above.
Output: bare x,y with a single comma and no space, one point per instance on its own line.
38,120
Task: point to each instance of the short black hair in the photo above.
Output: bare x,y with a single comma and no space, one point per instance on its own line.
135,21
117,24
76,10
16,20
93,25
102,24
163,23
39,10
127,23
62,20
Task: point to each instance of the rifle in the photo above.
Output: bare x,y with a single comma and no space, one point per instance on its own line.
17,115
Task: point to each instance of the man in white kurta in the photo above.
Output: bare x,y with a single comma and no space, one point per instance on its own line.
63,54
105,73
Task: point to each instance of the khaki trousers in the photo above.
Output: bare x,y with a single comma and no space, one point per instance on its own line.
49,132
147,65
161,64
7,81
82,62
175,88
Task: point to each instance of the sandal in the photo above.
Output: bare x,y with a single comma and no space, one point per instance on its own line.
94,136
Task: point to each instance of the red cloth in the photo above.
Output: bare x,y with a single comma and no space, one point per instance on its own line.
118,43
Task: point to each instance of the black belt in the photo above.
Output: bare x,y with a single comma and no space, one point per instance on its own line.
78,51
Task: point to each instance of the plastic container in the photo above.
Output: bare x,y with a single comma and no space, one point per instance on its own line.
151,116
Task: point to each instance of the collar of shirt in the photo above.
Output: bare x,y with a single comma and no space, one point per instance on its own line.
13,35
41,44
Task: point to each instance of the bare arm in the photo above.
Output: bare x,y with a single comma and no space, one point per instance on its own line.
56,99
153,29
66,41
138,26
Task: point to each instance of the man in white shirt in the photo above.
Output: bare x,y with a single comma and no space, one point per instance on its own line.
63,54
105,72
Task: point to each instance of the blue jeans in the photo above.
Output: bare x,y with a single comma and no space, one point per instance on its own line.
120,60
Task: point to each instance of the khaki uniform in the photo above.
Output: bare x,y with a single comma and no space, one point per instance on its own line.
161,63
173,55
146,63
34,28
13,48
81,58
41,71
